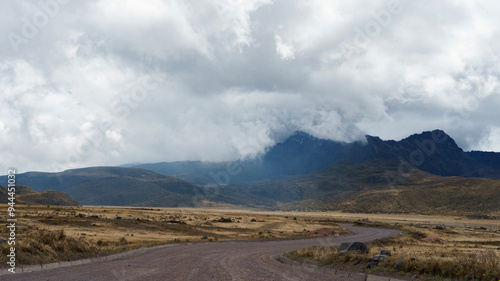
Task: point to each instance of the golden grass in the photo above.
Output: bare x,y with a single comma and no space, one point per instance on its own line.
42,245
50,233
468,251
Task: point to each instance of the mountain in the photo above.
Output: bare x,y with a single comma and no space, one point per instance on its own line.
28,196
116,186
433,151
491,159
424,173
302,153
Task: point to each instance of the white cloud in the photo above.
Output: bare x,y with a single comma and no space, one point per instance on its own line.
234,16
235,76
492,141
284,50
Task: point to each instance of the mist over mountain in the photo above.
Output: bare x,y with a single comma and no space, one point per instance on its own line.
432,151
302,172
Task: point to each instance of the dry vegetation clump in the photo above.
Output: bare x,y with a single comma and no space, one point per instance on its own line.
39,245
428,263
34,245
486,264
327,256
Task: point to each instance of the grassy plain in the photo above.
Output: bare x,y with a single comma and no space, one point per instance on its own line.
50,233
431,247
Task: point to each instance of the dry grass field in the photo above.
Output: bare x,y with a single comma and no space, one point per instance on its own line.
433,248
50,233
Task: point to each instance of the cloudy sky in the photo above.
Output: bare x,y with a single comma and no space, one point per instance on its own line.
88,83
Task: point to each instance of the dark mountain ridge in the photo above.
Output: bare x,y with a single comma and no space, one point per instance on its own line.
432,151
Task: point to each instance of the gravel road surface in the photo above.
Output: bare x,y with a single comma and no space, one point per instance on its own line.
243,260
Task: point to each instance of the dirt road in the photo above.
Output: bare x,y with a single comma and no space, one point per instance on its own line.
249,260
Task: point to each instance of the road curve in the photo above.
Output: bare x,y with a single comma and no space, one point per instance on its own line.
244,260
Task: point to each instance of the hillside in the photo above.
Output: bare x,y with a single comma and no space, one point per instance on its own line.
366,188
196,172
28,196
338,181
375,186
452,196
116,186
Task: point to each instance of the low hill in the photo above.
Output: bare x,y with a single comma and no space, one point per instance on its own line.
376,186
28,196
118,186
451,196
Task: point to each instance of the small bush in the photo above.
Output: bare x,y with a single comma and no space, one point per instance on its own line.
123,241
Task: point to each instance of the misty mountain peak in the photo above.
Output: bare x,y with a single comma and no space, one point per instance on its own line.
300,137
432,151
